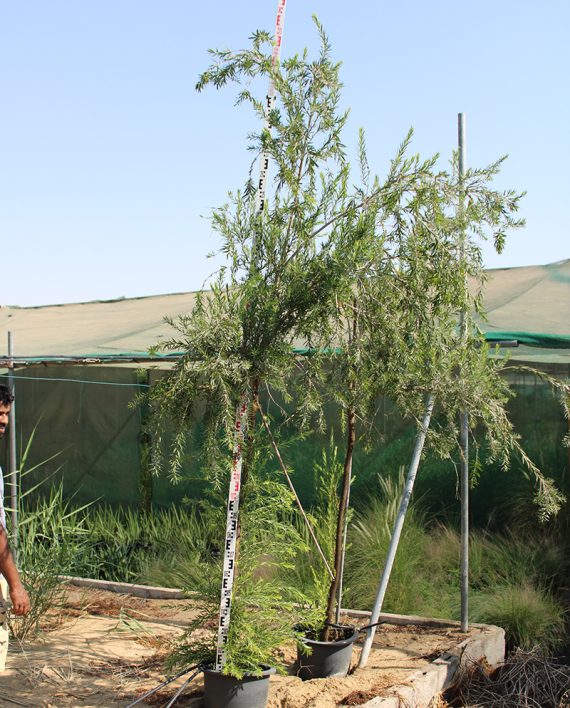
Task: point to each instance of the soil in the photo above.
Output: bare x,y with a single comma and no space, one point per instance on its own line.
105,649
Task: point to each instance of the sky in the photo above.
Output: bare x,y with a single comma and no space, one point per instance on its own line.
111,162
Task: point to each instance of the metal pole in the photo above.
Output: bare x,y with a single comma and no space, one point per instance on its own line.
397,531
463,420
13,476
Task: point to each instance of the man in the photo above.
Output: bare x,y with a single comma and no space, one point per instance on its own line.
9,576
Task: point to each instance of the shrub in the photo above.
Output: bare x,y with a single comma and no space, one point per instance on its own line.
529,615
51,537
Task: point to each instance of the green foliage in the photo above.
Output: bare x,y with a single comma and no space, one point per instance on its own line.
263,609
529,615
510,576
369,538
127,546
283,264
51,536
372,277
308,572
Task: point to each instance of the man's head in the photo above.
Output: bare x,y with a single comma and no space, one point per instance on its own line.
6,399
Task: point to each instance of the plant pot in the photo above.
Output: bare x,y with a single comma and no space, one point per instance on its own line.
327,659
221,691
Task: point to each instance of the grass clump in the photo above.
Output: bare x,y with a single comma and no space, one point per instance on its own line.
411,589
126,545
530,615
510,577
51,538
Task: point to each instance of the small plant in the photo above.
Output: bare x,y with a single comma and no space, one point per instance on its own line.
530,615
50,537
264,606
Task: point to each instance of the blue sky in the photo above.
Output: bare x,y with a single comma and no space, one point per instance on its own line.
110,162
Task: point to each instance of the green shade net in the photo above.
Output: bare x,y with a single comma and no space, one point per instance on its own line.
82,415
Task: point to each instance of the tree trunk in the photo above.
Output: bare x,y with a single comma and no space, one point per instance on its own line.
342,511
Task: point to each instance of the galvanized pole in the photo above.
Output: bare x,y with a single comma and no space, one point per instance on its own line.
463,419
13,476
397,531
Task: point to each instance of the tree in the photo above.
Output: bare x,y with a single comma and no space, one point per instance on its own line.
283,266
361,275
418,267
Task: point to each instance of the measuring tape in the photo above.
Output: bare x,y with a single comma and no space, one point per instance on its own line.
269,105
228,571
231,535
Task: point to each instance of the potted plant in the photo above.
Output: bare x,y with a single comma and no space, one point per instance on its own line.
261,608
283,265
394,333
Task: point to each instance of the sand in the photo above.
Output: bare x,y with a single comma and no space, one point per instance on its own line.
107,650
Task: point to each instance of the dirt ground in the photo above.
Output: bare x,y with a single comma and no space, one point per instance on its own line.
107,650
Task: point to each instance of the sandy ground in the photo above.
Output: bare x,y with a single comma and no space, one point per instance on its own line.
108,651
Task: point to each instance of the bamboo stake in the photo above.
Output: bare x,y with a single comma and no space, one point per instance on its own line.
292,488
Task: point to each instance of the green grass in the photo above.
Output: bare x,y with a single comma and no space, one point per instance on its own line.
512,576
127,545
530,616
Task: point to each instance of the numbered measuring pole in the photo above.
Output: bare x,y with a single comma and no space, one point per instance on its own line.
243,407
231,534
269,106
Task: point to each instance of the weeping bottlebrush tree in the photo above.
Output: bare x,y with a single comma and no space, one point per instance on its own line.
393,329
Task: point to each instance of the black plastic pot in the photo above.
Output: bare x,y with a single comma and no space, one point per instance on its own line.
327,659
221,691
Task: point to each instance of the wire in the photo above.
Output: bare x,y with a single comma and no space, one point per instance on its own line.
165,683
83,381
179,692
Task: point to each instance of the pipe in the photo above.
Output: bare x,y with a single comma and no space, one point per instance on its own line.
463,418
397,531
13,476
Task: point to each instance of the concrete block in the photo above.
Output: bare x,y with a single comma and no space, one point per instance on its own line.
425,684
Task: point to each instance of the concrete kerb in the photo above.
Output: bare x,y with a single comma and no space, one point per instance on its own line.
421,687
143,591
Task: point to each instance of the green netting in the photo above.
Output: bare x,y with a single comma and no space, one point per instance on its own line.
85,416
81,417
87,428
532,339
86,421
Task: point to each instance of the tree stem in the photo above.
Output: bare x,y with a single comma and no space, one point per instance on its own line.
342,511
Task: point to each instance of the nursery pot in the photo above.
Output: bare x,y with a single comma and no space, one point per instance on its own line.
327,659
221,691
